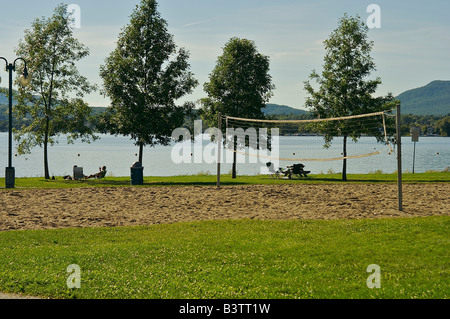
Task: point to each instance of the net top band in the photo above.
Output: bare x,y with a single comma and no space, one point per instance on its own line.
307,121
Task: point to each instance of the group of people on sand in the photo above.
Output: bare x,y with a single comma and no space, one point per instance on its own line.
100,174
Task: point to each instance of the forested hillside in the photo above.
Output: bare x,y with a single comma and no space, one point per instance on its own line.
432,99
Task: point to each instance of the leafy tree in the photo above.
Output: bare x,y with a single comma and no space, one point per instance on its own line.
343,90
240,84
51,51
444,126
144,77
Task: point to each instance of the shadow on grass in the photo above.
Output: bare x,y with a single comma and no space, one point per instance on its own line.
226,180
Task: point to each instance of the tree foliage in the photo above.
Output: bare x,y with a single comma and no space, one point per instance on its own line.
144,77
444,126
343,89
51,52
239,85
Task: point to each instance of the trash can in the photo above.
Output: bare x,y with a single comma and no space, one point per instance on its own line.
137,174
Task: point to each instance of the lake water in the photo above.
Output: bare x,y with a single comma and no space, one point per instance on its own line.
119,153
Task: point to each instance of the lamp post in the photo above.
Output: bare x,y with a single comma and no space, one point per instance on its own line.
24,80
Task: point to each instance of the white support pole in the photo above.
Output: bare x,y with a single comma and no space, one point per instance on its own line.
399,158
219,148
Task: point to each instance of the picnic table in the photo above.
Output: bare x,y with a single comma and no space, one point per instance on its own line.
296,169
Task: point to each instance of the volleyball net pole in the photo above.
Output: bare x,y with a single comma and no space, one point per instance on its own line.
398,120
219,148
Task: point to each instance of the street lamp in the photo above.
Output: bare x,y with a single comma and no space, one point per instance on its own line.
24,80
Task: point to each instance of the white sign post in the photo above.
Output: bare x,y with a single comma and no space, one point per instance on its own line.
415,132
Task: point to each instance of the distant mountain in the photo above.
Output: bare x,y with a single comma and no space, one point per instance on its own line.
3,99
270,109
275,109
432,99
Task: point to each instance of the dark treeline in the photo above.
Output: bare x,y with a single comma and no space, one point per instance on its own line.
428,124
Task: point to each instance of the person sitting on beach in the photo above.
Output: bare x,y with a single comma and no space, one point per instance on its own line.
100,174
68,177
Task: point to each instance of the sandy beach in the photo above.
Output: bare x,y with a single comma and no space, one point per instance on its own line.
22,209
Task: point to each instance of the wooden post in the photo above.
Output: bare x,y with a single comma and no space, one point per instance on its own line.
219,149
399,158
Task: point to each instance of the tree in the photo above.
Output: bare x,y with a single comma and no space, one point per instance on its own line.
343,90
239,85
144,77
51,51
443,126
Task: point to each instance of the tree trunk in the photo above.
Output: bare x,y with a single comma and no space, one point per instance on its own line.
233,173
141,152
46,170
344,168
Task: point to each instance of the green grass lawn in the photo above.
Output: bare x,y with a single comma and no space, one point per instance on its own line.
233,259
210,180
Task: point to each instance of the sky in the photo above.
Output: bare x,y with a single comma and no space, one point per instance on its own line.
411,45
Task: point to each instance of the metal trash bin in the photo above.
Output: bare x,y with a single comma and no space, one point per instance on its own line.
137,174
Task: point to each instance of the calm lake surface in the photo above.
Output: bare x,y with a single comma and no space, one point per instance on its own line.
119,153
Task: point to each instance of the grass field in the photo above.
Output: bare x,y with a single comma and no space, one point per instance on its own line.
233,259
246,259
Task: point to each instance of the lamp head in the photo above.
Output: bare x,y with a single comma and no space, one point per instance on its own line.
25,79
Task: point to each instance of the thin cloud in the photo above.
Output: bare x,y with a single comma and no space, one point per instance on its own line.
196,23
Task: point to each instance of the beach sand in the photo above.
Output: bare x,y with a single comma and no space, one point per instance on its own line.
22,209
